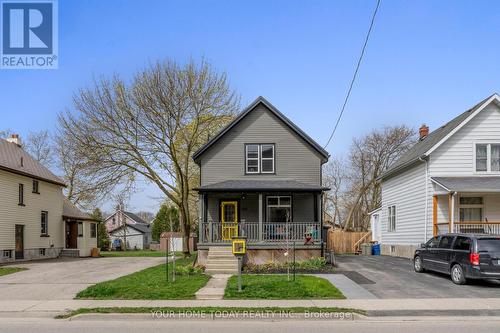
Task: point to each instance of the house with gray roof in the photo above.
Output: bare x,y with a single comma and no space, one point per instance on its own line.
36,220
128,229
448,182
261,178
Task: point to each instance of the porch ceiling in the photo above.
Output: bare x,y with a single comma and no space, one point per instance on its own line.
469,184
260,185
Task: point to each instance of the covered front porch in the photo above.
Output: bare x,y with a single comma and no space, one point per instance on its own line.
267,217
466,205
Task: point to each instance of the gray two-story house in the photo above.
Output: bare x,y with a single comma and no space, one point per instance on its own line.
261,178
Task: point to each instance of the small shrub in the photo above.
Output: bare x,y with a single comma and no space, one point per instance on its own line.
188,270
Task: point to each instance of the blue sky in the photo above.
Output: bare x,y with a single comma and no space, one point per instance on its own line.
427,61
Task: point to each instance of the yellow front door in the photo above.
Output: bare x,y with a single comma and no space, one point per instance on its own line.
229,219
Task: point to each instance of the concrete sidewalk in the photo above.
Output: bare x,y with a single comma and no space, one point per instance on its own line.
26,306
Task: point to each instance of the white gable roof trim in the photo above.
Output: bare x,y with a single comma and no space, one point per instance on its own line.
493,98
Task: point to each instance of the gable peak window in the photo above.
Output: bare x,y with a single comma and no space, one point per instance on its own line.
487,157
259,158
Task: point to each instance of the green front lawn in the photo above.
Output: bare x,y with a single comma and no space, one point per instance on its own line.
10,270
278,287
133,253
151,284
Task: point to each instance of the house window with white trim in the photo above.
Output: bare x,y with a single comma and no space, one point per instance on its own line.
487,157
93,230
391,218
259,158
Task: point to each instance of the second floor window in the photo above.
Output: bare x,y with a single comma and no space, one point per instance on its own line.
21,195
35,187
259,158
487,157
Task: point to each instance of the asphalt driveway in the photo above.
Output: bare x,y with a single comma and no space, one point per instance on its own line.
59,279
392,277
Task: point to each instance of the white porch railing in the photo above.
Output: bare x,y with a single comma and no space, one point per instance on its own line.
265,232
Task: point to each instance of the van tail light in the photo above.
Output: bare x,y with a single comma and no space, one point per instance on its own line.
474,258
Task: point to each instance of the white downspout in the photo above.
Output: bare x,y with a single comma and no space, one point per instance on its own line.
426,196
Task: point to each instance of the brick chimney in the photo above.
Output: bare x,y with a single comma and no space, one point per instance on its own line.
423,131
14,138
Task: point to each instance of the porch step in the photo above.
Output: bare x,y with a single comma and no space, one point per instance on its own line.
70,253
220,260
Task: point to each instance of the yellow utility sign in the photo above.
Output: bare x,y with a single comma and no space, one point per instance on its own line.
239,246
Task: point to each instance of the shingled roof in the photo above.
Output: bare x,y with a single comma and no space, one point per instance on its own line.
260,185
70,211
421,148
14,159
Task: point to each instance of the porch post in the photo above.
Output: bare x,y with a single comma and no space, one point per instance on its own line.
201,217
453,212
260,217
449,211
434,215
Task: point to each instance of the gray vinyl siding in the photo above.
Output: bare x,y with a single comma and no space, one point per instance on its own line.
303,207
295,159
455,157
407,192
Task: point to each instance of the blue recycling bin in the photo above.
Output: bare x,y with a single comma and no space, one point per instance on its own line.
376,249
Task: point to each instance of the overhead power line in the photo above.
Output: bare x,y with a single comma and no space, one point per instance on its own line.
355,74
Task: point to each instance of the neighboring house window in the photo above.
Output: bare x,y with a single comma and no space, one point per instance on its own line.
471,209
114,221
42,252
44,223
279,209
487,157
7,254
93,230
80,229
21,195
259,158
35,187
391,218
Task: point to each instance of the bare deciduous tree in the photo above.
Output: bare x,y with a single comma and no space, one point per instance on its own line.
369,157
151,127
39,146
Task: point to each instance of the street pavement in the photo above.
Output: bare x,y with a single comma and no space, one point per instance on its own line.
148,325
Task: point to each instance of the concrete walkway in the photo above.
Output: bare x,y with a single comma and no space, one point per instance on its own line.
348,287
215,287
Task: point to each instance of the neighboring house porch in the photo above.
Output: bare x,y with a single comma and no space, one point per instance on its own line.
466,205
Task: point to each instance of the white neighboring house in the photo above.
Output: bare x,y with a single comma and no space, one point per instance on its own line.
36,221
137,233
448,182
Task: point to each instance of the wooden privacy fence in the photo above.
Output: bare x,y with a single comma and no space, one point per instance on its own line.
346,241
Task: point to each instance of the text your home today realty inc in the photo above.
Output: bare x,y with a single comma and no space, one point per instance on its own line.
249,314
29,34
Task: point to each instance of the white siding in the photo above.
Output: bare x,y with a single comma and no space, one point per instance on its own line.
135,239
86,243
407,192
50,199
455,157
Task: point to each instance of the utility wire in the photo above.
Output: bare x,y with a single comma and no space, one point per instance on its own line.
355,74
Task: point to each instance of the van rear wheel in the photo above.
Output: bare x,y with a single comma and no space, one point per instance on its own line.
457,274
